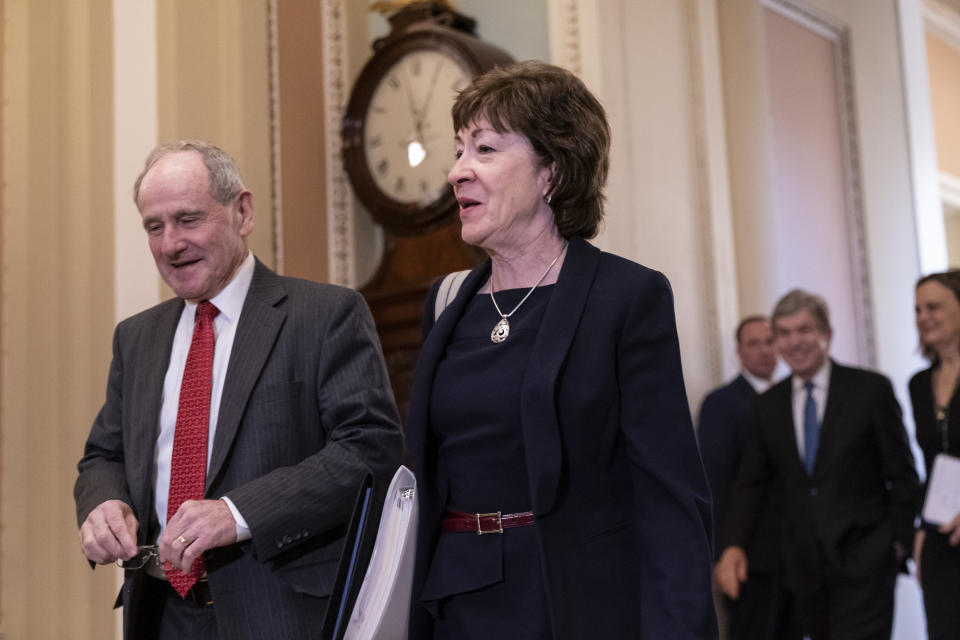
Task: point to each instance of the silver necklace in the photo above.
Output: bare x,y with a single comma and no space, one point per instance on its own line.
501,331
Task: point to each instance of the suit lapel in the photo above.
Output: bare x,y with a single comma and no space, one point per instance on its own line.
538,410
260,323
155,351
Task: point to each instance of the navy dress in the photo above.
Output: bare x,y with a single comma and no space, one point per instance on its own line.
938,431
475,581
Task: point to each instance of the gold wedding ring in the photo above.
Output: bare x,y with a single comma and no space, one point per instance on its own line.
182,540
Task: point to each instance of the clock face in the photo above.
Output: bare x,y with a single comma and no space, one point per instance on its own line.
408,132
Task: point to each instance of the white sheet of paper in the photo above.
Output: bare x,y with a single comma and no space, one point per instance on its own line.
943,490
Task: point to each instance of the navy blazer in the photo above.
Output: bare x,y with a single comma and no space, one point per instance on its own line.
843,520
306,413
721,431
615,479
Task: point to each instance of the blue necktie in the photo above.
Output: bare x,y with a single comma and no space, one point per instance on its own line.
811,428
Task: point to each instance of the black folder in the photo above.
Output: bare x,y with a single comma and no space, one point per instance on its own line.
357,549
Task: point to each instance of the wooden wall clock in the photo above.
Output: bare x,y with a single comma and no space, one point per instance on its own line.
398,147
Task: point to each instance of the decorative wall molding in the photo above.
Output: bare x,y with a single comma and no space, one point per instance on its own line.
702,192
565,35
720,292
575,37
276,148
839,35
340,213
917,19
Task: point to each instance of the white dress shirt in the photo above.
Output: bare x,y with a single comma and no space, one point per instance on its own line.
759,384
821,383
229,302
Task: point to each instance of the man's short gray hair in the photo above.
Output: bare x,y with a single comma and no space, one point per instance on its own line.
798,300
222,171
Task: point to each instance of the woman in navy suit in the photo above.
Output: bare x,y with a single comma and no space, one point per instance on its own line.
561,490
936,413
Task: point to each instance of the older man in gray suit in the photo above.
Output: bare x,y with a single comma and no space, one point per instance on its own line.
239,421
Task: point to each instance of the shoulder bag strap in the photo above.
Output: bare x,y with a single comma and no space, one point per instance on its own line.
449,287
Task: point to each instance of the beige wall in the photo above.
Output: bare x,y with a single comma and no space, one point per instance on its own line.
300,64
226,97
880,159
59,212
3,56
943,62
692,182
747,102
809,213
58,306
667,200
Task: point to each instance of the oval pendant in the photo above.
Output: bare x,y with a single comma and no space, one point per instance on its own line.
500,332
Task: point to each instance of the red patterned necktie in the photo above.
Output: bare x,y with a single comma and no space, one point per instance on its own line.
188,464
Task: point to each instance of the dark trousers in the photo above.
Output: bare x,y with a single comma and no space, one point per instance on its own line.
764,610
163,615
940,573
848,609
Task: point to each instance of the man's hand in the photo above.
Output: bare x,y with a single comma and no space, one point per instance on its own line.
198,525
731,571
109,533
952,529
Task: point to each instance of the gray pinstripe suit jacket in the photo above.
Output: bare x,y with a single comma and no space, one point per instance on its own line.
306,412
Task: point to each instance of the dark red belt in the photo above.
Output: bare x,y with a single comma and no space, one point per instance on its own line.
481,523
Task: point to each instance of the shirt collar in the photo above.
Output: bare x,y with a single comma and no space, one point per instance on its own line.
820,379
759,384
229,302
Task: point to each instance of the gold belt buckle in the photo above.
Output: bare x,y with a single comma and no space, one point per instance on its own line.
495,514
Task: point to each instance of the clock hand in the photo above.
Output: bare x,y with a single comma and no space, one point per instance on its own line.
426,100
417,118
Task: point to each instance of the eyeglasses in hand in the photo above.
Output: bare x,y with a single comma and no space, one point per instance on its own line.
144,556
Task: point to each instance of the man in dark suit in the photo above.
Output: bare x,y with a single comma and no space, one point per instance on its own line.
763,611
828,445
239,422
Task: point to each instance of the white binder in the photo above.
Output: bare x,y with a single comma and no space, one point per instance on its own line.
382,608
